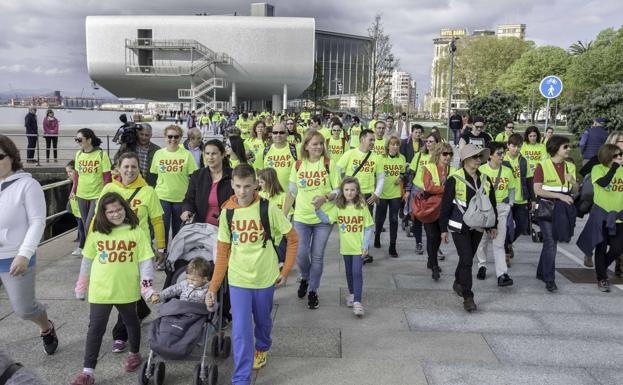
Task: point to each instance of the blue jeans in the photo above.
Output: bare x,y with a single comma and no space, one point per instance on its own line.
517,223
456,134
310,255
171,218
353,265
249,307
546,270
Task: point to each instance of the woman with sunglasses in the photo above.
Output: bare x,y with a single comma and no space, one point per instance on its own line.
604,229
92,173
173,166
554,180
415,183
435,174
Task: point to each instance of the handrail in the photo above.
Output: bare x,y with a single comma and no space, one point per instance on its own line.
55,184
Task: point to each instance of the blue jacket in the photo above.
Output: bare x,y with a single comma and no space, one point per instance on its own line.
592,139
592,234
563,221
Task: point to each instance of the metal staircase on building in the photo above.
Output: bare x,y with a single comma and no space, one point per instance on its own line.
201,67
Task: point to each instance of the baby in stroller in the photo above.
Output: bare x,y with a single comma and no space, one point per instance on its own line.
194,288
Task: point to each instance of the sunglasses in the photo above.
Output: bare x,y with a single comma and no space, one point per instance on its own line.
2,156
481,127
475,157
173,137
431,141
290,123
511,127
613,156
499,153
78,140
447,153
279,132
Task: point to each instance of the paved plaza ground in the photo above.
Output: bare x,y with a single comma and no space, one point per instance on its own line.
415,331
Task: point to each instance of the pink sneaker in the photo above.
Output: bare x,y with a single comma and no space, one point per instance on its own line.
132,362
83,379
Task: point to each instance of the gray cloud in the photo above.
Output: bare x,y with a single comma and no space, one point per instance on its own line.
43,44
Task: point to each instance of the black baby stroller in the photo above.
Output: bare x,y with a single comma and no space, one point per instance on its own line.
193,240
180,327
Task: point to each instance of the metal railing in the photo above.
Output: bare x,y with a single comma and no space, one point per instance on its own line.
201,89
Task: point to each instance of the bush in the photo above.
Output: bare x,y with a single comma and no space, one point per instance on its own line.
497,109
604,102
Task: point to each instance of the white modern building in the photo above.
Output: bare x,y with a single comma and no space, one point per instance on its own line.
403,91
212,62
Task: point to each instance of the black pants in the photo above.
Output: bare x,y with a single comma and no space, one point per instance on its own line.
466,245
416,229
32,145
51,141
119,331
433,241
604,256
381,213
98,319
520,219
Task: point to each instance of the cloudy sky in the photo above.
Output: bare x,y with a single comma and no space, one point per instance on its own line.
43,41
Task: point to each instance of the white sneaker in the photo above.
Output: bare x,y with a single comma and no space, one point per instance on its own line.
77,252
358,309
349,300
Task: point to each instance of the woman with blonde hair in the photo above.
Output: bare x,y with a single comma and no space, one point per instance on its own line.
436,171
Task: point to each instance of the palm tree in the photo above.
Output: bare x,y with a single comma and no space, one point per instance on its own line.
578,48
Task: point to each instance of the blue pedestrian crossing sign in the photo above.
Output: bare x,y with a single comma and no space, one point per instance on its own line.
551,87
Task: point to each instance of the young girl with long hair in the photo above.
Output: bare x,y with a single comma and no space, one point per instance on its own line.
117,268
355,225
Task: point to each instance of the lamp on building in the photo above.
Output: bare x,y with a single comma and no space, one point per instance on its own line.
452,49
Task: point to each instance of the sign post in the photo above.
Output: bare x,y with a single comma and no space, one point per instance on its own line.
550,87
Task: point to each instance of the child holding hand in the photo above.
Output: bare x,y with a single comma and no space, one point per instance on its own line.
355,226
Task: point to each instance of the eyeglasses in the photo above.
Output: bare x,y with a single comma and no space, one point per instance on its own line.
338,130
511,127
499,153
290,123
447,153
431,141
173,137
2,156
279,132
78,140
479,126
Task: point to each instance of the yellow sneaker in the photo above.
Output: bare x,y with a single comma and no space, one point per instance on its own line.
259,360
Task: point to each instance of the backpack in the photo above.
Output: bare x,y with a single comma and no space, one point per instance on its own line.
480,213
327,164
584,200
264,220
290,145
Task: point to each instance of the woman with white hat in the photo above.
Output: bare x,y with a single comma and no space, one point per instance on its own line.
459,190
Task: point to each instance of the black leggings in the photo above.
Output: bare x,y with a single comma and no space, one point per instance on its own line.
433,241
604,256
51,141
119,331
466,245
381,213
98,319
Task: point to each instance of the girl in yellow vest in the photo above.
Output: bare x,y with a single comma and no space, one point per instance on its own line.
554,180
466,239
394,165
436,172
607,178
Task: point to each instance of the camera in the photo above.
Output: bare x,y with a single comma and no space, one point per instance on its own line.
127,133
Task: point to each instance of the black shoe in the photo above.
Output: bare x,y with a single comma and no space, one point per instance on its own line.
368,259
436,271
440,255
458,289
551,286
50,341
469,305
377,242
302,288
419,249
482,273
312,300
392,251
504,280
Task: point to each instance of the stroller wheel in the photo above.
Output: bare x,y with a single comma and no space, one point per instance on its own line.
226,348
214,346
199,376
144,375
212,375
159,373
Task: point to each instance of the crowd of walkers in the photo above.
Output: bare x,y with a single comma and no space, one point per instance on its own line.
288,179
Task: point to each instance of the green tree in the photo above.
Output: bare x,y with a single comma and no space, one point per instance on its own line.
497,108
579,48
601,65
479,62
605,101
524,75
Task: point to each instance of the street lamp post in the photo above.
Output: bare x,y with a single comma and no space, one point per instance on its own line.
452,49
